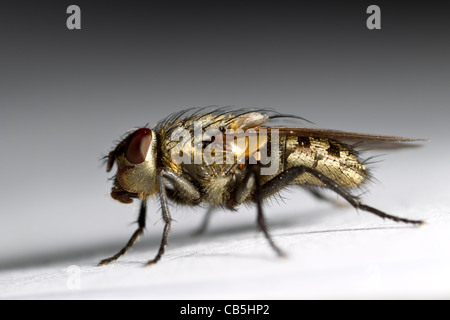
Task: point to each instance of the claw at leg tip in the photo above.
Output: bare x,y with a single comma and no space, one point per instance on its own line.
103,263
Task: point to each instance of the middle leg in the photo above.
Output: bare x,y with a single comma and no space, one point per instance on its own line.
252,181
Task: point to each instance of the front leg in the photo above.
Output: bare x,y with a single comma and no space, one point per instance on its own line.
134,238
184,191
166,217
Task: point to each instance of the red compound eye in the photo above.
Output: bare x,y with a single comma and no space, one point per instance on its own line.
138,146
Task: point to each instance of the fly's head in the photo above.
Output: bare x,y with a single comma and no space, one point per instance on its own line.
135,157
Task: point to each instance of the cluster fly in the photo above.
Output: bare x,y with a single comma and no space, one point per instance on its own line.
224,157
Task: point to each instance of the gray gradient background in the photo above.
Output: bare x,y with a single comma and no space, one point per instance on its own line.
65,96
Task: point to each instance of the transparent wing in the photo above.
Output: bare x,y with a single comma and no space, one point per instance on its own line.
341,135
375,141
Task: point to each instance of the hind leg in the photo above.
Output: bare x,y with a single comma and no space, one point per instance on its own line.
287,177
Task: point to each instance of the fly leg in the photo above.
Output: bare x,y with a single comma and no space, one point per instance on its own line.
166,217
175,196
134,238
252,182
320,196
287,177
205,222
183,190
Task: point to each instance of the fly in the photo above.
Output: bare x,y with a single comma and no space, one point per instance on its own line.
223,158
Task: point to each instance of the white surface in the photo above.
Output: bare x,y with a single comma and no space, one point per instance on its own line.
333,253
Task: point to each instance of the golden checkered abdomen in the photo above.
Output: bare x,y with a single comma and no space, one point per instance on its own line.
337,161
